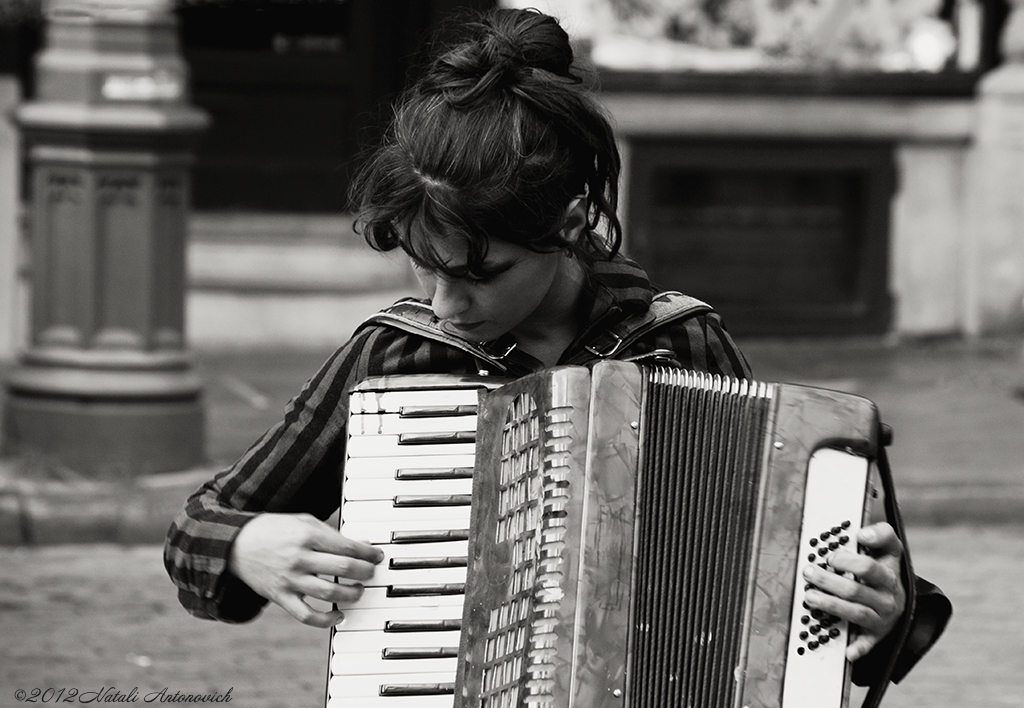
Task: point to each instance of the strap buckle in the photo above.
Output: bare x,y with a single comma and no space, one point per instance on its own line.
610,350
503,355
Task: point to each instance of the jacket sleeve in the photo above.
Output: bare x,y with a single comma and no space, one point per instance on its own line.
293,467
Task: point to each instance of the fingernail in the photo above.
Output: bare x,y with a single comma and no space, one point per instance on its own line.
868,534
340,618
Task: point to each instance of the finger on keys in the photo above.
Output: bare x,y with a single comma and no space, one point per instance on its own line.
328,590
331,541
300,610
880,539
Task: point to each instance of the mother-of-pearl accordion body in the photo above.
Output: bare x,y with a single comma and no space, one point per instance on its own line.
636,539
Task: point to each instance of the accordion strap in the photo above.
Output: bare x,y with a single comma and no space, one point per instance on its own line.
418,318
897,639
665,307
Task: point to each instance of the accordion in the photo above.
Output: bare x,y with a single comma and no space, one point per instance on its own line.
629,536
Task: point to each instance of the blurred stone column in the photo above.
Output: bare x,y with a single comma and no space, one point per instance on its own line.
11,310
994,245
106,386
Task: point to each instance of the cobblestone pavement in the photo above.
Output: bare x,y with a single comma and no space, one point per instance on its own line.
97,617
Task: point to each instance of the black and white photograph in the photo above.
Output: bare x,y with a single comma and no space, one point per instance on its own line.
512,353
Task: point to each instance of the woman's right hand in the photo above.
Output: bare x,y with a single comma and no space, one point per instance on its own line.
282,556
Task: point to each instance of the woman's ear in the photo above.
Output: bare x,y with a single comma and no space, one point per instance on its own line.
575,219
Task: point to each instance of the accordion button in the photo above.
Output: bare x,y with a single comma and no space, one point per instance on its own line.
823,639
834,632
805,619
814,542
824,535
811,557
812,645
800,651
823,551
817,614
814,628
804,635
833,546
836,529
844,539
845,524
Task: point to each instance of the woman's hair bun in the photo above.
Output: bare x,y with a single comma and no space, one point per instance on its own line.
501,49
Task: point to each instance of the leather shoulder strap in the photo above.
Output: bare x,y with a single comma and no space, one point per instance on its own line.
417,318
665,307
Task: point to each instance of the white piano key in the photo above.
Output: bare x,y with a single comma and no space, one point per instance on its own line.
424,550
377,467
349,642
374,619
369,686
378,532
376,597
447,701
388,446
393,424
393,401
384,576
359,511
368,664
383,489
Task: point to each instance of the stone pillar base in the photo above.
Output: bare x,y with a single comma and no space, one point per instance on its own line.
106,440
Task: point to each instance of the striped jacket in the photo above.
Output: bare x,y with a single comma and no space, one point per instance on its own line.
295,466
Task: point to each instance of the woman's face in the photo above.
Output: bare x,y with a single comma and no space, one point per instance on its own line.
518,291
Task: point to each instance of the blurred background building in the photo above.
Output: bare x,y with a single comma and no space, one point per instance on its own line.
811,167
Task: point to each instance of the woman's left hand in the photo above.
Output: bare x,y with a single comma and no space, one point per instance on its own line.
874,598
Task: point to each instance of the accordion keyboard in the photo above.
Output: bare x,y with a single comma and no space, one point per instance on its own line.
407,489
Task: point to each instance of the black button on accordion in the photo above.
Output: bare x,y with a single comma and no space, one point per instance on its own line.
624,535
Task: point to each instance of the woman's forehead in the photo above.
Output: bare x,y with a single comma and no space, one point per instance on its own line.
456,252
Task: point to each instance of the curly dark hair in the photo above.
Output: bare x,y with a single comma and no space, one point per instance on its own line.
494,140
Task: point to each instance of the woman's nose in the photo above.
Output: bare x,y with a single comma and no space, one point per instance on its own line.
449,299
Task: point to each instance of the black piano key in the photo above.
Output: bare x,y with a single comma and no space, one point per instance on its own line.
426,589
432,473
445,625
430,562
429,536
436,411
417,689
421,500
438,438
419,652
